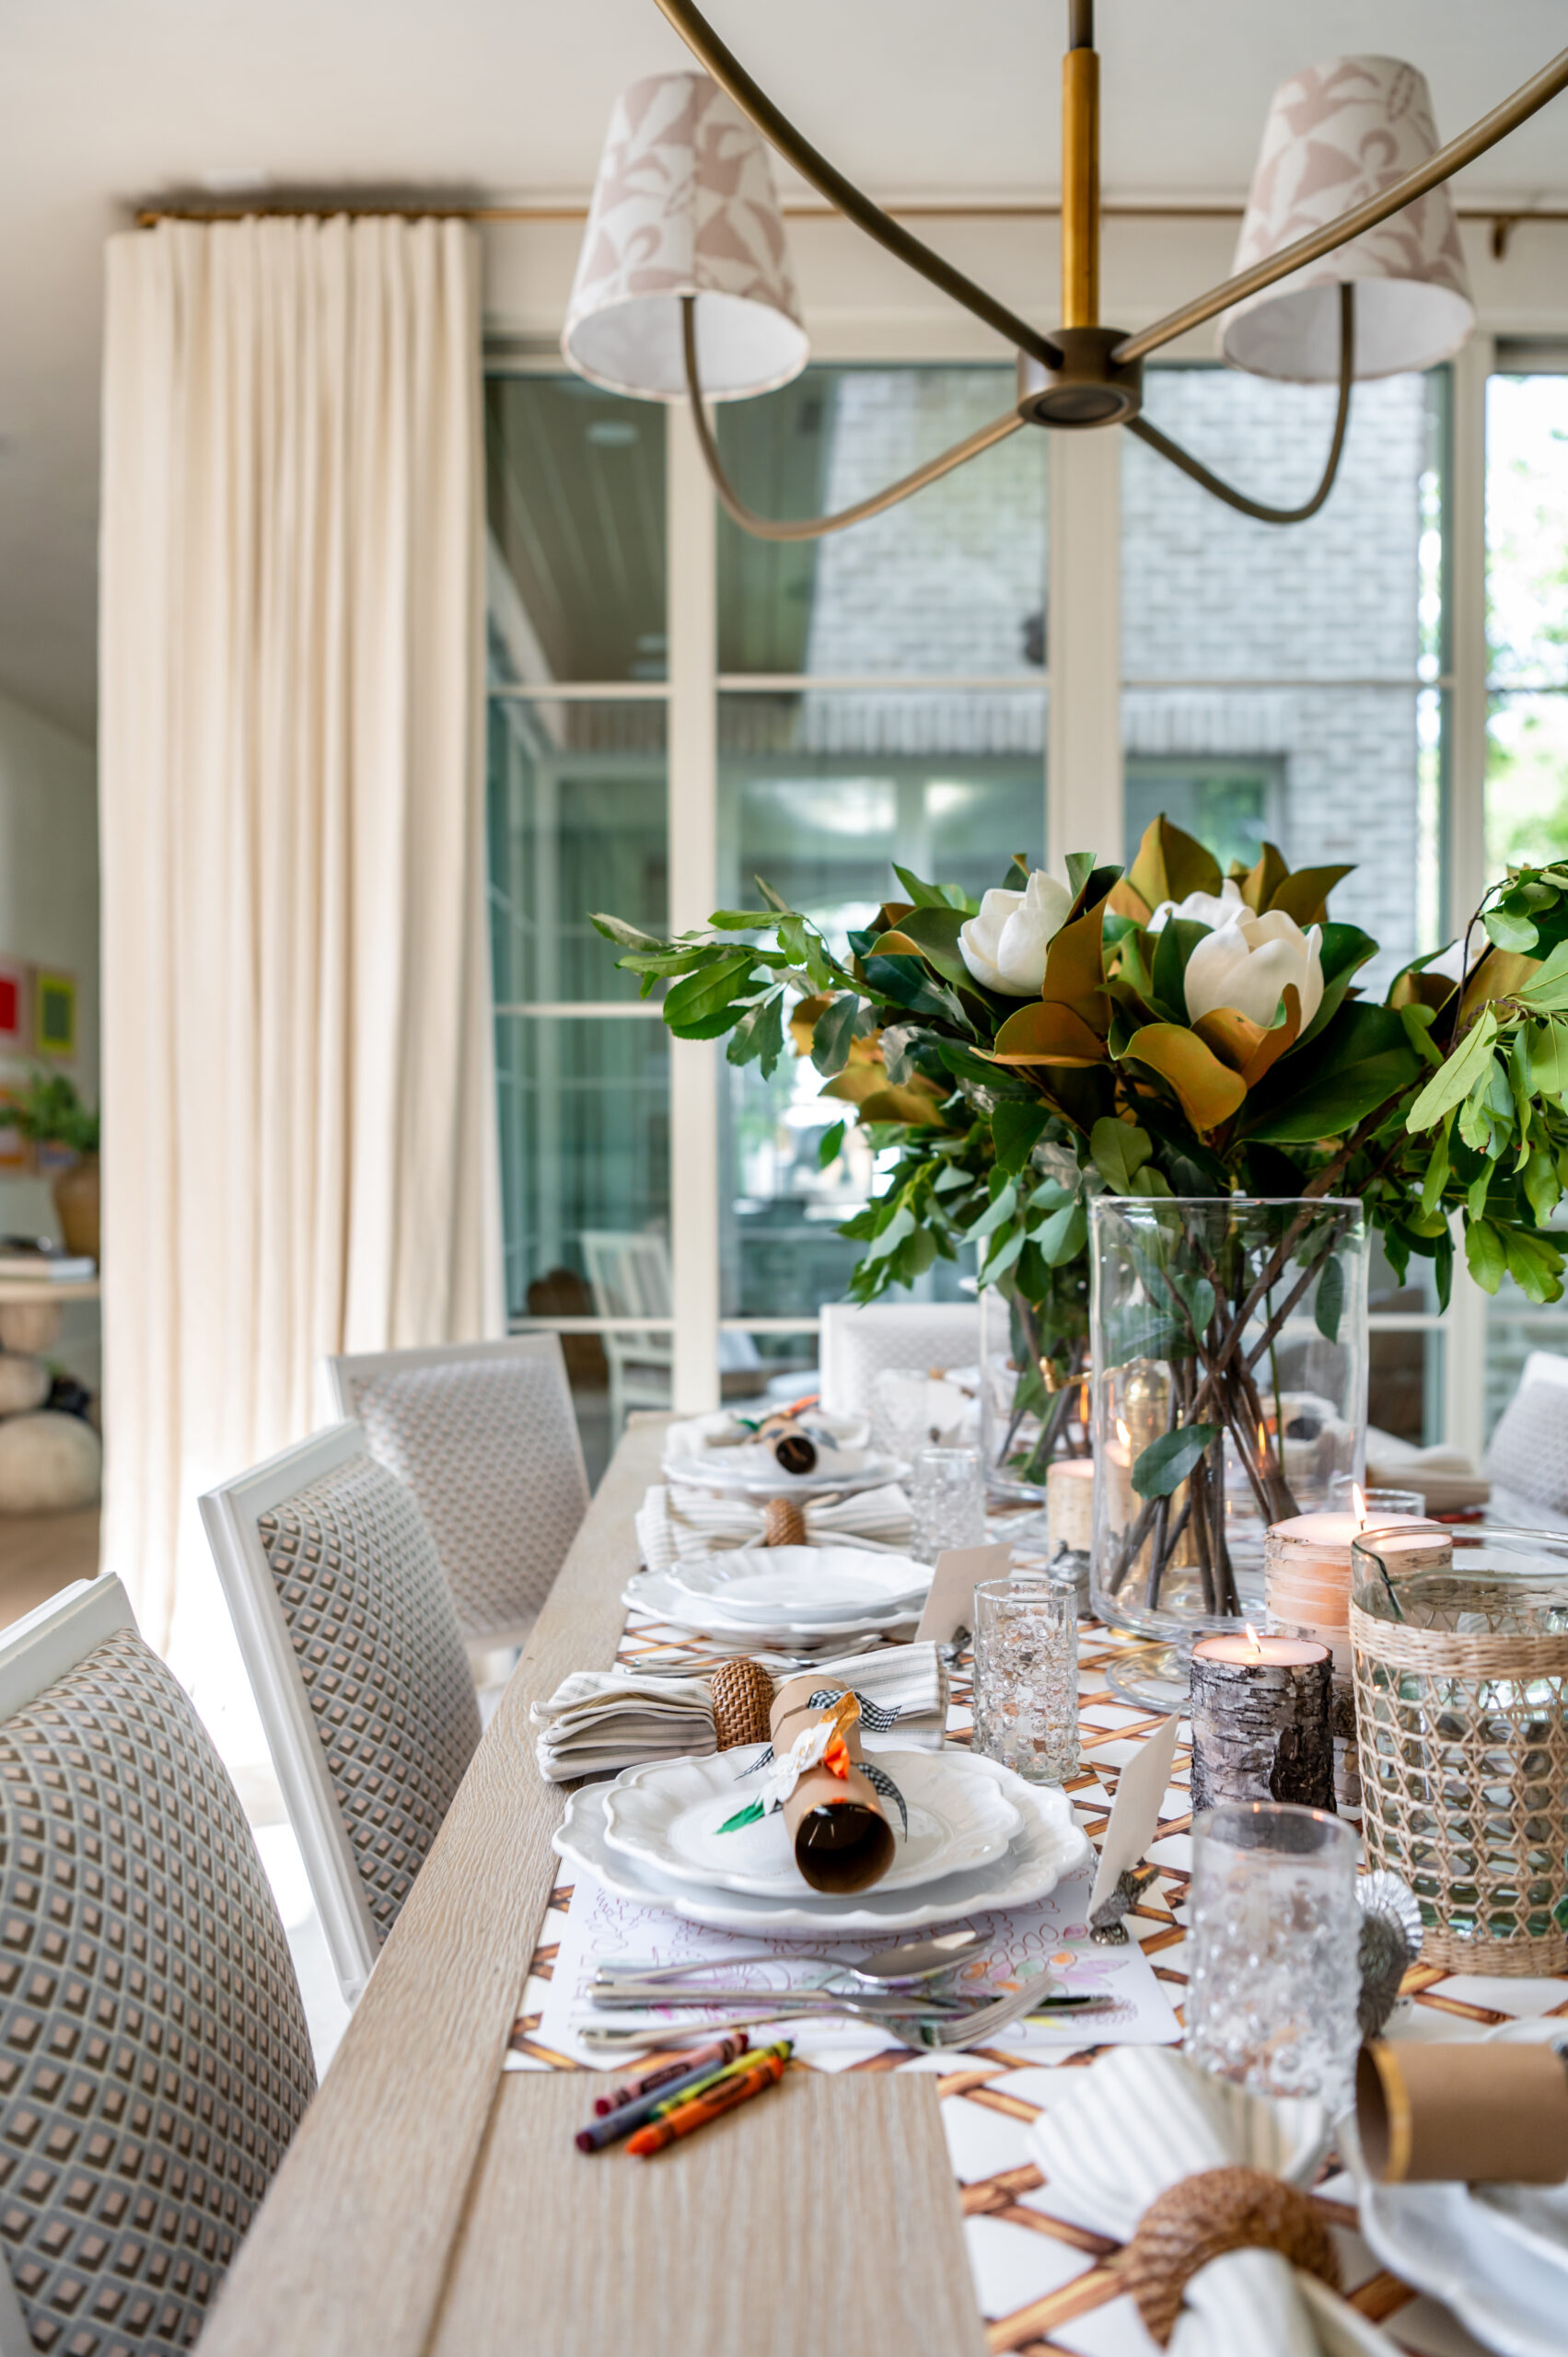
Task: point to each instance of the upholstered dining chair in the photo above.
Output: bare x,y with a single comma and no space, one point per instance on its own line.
154,2055
484,1435
860,1341
350,1641
1528,1461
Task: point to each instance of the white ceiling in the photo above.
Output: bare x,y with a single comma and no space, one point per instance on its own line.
104,103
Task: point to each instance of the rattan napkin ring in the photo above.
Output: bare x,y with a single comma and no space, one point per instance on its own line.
743,1700
1201,2218
784,1524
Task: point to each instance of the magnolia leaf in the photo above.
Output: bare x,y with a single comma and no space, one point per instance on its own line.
855,1084
935,932
1329,1307
1304,895
1485,1252
1206,1090
916,1103
1166,1463
1363,1059
928,896
803,1021
1261,882
1503,974
1169,864
831,1147
1173,945
1119,1151
1074,969
1233,1037
832,1034
896,943
1044,1034
1456,1077
1016,1128
1080,867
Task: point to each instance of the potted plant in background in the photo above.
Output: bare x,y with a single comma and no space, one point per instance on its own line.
1187,1058
50,1112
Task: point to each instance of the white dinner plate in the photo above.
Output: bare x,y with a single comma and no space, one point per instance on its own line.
1496,2255
660,1595
1048,1844
754,1472
666,1814
793,1584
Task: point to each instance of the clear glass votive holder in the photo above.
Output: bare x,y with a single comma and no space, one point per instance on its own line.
947,1502
1274,1932
1376,1505
1026,1676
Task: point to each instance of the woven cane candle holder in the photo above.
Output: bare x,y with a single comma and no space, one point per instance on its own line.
1462,1699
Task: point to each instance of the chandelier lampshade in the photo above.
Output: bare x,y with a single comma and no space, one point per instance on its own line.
684,207
1336,135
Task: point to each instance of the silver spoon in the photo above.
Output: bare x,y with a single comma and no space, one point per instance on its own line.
900,1967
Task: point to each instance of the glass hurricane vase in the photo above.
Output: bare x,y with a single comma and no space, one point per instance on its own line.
1034,1364
1230,1357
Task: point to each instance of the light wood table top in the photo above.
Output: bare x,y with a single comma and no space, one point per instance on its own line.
430,2205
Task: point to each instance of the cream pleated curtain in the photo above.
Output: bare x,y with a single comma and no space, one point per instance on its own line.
298,1102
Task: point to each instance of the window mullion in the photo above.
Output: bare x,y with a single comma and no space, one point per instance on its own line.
693,868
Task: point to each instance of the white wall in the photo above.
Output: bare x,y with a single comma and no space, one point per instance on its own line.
49,916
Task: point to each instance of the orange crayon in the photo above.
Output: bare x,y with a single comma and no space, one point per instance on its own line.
688,2117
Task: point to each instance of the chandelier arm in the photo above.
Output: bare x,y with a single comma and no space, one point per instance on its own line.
1528,99
731,76
1200,474
815,528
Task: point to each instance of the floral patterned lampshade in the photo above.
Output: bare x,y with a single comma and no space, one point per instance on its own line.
1337,135
684,204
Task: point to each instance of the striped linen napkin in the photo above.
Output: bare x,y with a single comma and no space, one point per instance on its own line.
1139,2120
597,1721
676,1525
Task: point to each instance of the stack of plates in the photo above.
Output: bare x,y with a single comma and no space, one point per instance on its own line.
978,1839
788,1596
754,1471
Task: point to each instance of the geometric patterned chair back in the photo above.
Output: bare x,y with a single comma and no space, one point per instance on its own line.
154,2056
858,1343
484,1435
351,1645
1528,1461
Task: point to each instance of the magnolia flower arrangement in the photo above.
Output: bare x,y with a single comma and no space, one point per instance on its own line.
1161,1030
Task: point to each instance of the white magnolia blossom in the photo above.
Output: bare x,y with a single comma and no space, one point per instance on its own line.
1004,945
1206,908
1247,963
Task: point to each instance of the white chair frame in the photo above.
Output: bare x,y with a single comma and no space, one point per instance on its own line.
230,1514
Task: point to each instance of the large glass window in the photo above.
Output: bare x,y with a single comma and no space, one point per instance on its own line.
1287,683
1527,751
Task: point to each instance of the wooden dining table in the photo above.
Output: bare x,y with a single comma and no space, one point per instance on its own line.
433,2205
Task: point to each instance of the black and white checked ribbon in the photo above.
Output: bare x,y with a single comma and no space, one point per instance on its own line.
880,1717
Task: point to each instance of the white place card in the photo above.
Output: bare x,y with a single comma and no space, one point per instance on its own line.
1135,1812
949,1604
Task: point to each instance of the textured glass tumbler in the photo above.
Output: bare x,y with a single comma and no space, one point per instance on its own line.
1026,1676
1273,1938
947,1502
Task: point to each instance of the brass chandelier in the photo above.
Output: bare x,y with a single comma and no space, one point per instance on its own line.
684,290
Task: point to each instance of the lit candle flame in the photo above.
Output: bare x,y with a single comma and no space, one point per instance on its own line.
1122,1435
1252,1640
1262,1440
1358,1501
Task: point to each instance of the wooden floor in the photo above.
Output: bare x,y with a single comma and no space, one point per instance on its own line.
41,1553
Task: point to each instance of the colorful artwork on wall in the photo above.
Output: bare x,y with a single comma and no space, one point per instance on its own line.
54,1014
16,999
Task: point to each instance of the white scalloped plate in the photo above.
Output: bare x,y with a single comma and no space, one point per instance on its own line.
661,1594
776,1585
666,1814
1048,1844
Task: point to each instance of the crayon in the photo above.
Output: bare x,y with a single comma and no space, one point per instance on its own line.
680,2066
695,2072
685,2119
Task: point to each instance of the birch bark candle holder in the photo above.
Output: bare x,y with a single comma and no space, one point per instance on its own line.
1070,1500
1261,1726
1306,1571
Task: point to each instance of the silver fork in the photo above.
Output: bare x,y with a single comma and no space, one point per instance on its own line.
911,2028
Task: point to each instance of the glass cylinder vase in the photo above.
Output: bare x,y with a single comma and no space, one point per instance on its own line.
1230,1368
1034,1368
